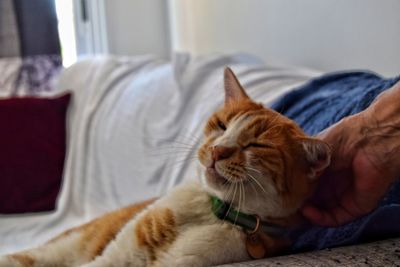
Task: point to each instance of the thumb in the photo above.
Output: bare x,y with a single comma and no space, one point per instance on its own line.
318,217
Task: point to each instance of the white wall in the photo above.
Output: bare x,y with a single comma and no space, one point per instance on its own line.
137,27
323,34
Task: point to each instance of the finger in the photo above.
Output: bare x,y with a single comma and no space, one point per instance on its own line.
311,213
342,215
357,203
317,216
331,218
325,133
343,210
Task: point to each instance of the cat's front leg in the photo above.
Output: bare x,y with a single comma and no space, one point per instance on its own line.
140,241
205,245
121,252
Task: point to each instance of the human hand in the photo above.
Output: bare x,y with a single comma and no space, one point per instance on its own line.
365,159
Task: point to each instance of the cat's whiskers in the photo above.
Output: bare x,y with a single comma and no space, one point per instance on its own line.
252,169
171,152
226,196
180,138
189,143
170,149
182,147
240,199
192,137
237,186
244,194
257,182
231,202
181,144
185,160
172,146
177,163
229,180
254,189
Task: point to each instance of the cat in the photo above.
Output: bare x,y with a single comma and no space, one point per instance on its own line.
258,167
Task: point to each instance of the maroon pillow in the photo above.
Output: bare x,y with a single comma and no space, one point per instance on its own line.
32,152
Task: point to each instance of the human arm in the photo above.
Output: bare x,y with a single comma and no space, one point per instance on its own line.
365,162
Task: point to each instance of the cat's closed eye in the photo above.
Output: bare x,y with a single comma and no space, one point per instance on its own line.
221,125
257,145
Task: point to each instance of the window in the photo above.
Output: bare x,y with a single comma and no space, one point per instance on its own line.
82,29
66,30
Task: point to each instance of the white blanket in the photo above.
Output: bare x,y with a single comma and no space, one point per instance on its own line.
133,128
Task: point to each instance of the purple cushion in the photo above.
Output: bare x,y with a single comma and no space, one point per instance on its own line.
32,152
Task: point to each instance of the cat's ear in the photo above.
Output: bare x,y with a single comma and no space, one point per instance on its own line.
318,156
233,89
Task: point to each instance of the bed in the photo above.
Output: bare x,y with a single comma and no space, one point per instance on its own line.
129,126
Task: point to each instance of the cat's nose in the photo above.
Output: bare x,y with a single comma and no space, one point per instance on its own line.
222,152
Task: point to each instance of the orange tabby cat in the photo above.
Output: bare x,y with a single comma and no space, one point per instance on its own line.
258,168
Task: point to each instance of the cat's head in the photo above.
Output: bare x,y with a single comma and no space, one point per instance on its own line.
257,159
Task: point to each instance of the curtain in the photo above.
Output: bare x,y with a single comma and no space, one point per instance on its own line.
37,27
28,28
9,37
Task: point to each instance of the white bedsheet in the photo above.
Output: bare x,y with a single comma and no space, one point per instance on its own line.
133,127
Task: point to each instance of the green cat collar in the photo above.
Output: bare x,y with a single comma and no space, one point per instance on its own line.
250,223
